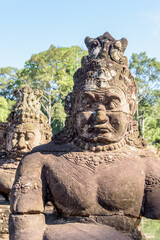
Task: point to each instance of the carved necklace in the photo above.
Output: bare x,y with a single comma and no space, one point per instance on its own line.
95,147
92,160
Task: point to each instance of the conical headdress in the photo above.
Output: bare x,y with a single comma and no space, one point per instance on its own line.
27,108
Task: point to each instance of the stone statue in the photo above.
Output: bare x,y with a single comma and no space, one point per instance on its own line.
98,171
26,128
2,129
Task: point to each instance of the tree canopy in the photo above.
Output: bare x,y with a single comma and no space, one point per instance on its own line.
8,81
52,71
5,108
147,75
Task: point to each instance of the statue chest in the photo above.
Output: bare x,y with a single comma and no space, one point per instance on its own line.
95,184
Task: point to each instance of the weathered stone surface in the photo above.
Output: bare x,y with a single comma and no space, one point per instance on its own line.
2,129
26,128
31,223
5,212
82,231
97,171
4,216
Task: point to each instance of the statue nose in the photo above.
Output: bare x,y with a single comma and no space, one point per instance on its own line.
21,143
101,117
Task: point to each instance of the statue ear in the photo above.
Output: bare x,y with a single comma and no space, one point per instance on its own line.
68,104
88,41
132,106
124,43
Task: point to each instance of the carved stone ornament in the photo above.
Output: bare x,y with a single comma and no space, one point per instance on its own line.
26,128
27,125
97,171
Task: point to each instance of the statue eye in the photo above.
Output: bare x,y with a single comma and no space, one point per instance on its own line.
14,141
113,104
29,136
15,135
88,104
85,102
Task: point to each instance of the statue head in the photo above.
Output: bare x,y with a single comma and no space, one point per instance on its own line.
102,116
21,138
27,125
104,99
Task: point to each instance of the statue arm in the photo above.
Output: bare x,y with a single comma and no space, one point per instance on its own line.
27,200
151,201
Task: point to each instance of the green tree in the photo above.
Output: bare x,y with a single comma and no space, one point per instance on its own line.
8,81
147,76
52,71
152,122
5,108
150,228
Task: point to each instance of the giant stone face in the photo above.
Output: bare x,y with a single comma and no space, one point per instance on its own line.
23,138
102,116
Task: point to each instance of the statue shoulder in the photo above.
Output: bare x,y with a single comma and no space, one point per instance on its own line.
31,161
48,147
52,147
152,164
37,157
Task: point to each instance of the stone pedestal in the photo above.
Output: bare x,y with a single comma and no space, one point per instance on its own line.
4,217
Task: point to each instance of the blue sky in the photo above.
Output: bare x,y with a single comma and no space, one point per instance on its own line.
28,27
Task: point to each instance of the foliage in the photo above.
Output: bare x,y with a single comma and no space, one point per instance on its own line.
147,76
58,116
152,125
52,71
150,228
5,108
8,82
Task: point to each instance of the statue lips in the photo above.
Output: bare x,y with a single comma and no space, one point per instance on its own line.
19,153
101,128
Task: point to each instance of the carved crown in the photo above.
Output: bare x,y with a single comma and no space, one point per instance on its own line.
105,66
27,108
